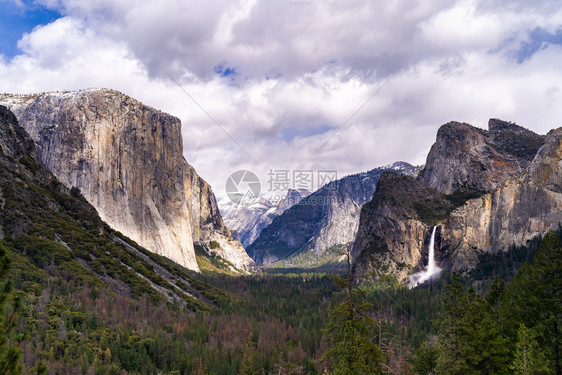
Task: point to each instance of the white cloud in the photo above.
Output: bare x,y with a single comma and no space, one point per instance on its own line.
304,67
17,3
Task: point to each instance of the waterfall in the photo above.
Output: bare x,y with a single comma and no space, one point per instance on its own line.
431,270
431,267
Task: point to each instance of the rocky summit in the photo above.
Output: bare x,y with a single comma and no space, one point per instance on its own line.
126,159
469,157
484,190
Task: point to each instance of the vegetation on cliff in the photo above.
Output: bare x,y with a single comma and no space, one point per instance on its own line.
411,198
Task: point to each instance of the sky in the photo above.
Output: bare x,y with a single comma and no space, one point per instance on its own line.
299,85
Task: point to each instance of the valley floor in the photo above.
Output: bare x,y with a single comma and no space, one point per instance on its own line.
273,323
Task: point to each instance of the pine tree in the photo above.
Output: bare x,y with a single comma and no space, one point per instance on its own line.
453,307
424,360
495,298
352,351
492,344
529,359
9,352
548,289
471,337
248,365
489,349
534,299
521,303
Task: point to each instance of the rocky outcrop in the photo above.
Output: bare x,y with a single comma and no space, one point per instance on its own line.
207,223
469,157
326,218
394,227
126,159
205,217
14,142
513,214
247,219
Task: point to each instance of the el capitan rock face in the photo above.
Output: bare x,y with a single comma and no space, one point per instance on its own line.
127,160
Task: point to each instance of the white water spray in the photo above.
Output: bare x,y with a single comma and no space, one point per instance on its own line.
431,270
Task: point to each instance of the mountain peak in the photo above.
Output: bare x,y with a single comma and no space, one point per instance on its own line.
497,126
325,219
248,219
469,157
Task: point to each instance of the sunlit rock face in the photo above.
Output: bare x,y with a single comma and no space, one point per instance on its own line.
516,173
469,157
127,160
207,223
512,214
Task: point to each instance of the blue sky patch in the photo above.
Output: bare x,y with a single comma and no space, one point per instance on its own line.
538,38
16,20
225,71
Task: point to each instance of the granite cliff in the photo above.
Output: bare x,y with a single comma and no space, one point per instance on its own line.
513,214
486,191
54,236
469,157
324,219
394,226
126,159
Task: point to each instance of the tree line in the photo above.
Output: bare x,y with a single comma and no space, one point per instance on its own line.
287,324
